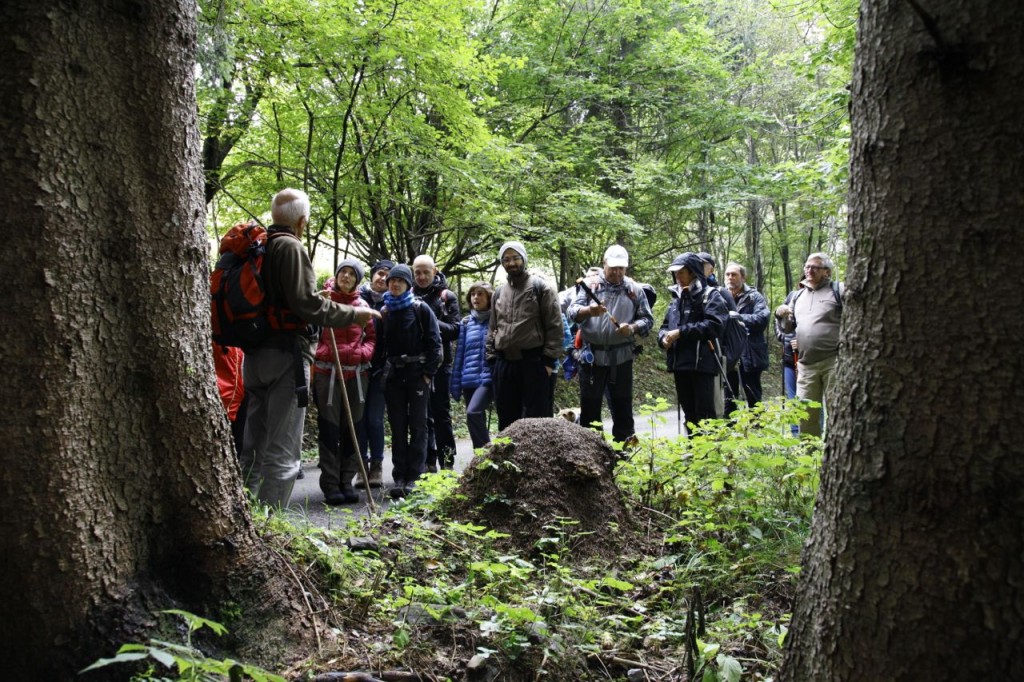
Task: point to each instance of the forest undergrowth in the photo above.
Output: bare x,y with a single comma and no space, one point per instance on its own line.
694,582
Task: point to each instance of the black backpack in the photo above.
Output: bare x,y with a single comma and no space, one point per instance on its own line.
734,337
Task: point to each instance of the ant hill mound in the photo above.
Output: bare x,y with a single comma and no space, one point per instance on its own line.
542,479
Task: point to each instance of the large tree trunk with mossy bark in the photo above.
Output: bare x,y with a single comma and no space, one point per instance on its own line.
915,565
118,486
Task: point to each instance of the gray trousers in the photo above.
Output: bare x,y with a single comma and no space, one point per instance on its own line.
272,444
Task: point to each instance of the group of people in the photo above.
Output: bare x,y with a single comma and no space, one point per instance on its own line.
694,331
398,345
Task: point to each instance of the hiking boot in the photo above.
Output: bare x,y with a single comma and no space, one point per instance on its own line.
346,495
397,491
300,475
376,474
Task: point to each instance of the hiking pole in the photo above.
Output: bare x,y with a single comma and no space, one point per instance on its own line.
718,361
581,283
351,423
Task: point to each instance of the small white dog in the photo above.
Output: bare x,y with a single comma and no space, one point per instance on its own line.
570,414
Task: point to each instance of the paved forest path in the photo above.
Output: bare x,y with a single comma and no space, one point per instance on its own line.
307,501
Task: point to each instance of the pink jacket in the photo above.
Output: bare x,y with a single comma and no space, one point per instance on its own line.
355,343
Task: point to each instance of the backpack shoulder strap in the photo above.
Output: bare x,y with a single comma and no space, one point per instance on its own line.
837,292
538,287
422,312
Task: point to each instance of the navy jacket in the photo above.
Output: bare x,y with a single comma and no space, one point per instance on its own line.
411,332
753,310
700,328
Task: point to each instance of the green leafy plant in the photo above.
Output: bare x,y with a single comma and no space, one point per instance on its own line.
190,663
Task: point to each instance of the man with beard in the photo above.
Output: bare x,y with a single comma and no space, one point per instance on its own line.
524,339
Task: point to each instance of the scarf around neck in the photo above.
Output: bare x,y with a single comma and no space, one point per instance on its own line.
481,316
398,302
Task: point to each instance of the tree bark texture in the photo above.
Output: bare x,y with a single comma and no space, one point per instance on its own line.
118,485
915,565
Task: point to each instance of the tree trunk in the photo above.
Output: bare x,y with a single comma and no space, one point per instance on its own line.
120,492
915,565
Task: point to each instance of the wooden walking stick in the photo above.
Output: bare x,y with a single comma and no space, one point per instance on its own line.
351,422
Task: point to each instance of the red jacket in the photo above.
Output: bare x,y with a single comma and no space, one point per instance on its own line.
228,363
355,343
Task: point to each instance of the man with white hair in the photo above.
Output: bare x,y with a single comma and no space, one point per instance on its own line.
524,340
276,372
612,311
814,314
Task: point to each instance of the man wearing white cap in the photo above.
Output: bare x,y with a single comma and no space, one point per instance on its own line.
524,340
612,311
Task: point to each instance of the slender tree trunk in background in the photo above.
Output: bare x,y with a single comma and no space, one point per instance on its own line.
915,565
119,492
755,221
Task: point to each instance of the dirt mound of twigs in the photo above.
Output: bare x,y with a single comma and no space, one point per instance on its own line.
546,478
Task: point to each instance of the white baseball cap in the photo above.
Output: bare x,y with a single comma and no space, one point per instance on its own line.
616,257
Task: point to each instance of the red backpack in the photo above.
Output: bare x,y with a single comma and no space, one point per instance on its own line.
241,314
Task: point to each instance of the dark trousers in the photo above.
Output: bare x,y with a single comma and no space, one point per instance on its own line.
407,398
478,400
598,381
338,463
441,438
751,381
695,392
521,389
370,429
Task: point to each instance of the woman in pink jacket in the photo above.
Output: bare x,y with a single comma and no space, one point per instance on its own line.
354,343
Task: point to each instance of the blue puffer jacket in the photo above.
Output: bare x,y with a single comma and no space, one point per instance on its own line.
470,369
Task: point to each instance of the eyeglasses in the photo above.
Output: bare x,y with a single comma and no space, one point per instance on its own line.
814,267
511,259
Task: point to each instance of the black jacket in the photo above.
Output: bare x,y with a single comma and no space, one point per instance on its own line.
700,324
753,311
445,305
411,333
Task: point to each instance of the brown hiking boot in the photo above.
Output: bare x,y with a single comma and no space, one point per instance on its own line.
375,475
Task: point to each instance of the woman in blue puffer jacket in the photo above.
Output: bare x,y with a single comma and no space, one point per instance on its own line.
471,377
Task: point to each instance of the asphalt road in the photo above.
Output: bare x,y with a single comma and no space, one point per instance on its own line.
307,501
